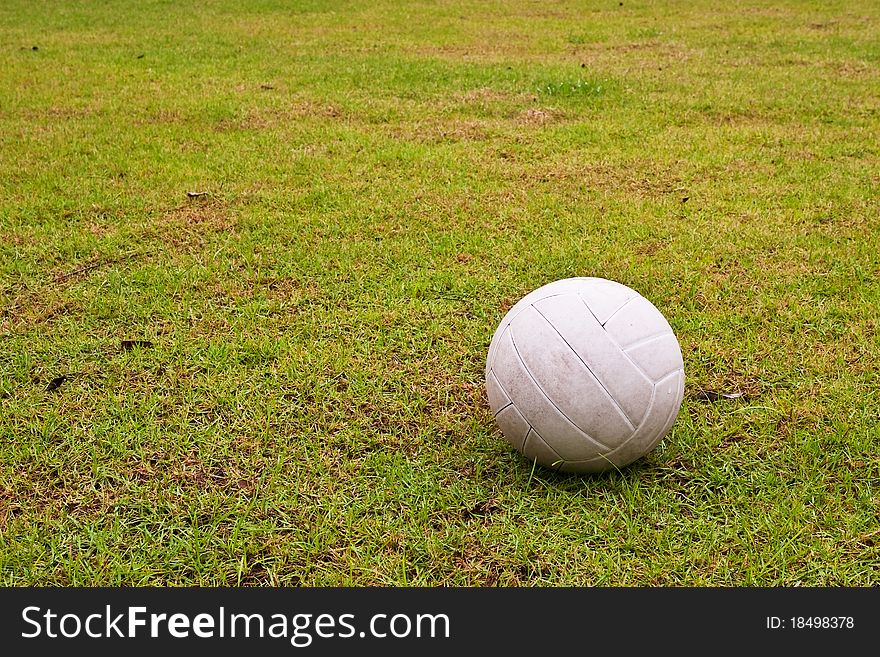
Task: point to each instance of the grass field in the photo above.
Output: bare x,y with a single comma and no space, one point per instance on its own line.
382,180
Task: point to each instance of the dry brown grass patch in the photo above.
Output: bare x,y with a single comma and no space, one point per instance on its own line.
538,116
439,131
637,179
188,227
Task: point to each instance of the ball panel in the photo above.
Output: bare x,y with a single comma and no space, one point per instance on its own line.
676,382
625,384
671,386
567,382
597,464
603,297
513,425
658,357
536,449
607,294
635,322
557,287
658,420
550,289
664,409
498,399
537,408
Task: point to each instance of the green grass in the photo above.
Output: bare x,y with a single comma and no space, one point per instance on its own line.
384,179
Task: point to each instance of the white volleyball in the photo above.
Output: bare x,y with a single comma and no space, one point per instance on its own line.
584,375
